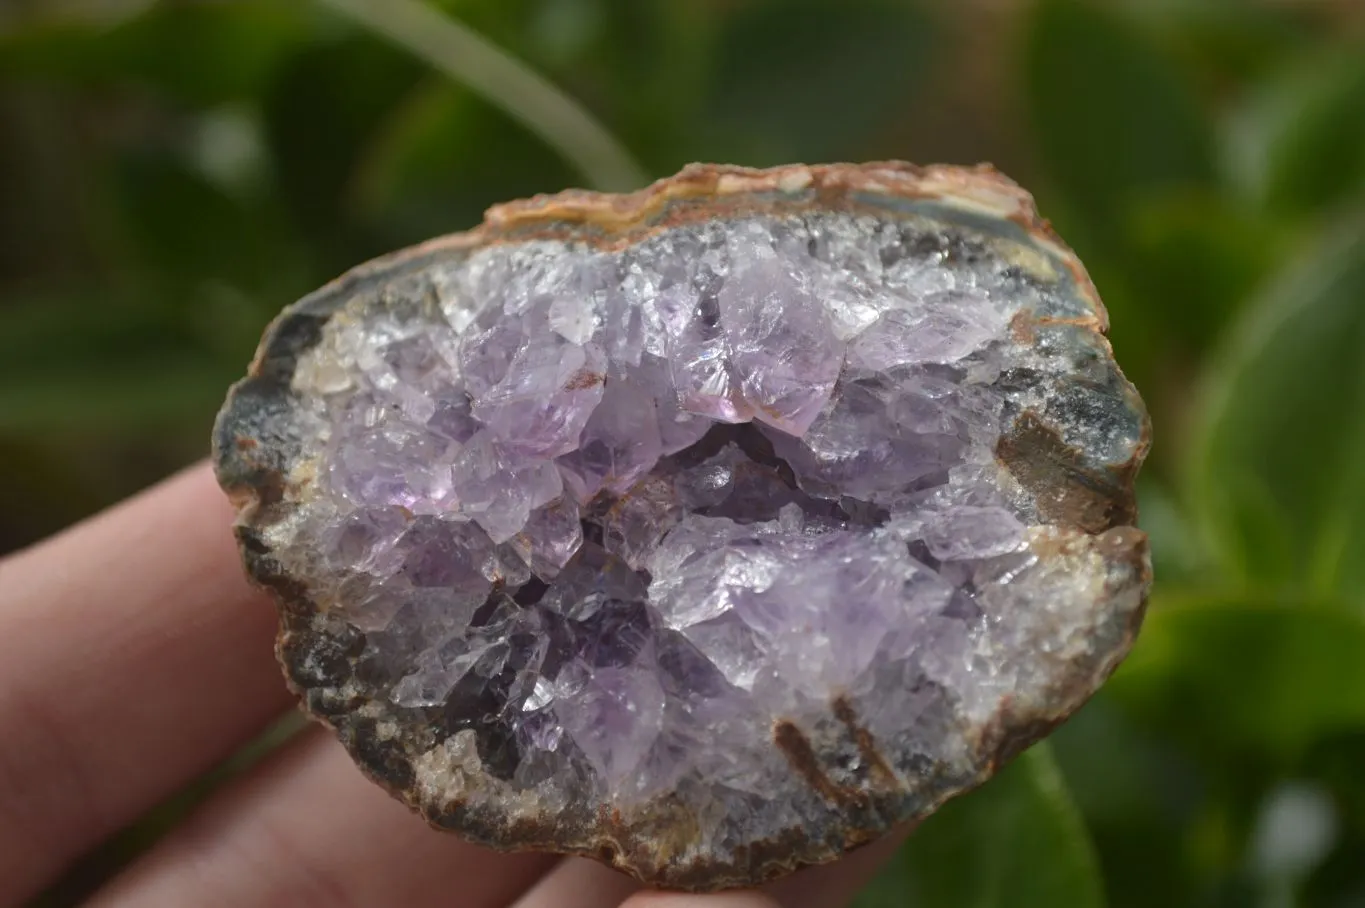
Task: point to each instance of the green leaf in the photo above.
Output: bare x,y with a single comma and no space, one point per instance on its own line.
477,64
1227,42
1176,553
647,69
121,397
888,889
1112,115
181,228
101,361
201,54
321,111
1247,682
63,330
1015,843
792,82
442,158
1278,472
1194,257
1299,142
1138,794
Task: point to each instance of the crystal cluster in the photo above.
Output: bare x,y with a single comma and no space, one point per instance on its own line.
708,530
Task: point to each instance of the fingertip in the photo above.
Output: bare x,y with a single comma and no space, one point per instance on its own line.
134,656
738,898
824,886
837,883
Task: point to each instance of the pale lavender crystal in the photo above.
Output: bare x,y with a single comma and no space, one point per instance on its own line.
856,447
488,347
546,396
619,444
818,606
678,428
698,347
402,367
440,668
446,555
972,532
364,540
614,717
633,525
369,606
619,514
623,325
598,580
782,346
451,415
950,325
550,537
497,488
394,464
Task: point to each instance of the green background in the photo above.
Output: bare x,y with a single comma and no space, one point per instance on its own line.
173,173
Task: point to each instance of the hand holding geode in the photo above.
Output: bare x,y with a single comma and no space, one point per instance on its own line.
711,530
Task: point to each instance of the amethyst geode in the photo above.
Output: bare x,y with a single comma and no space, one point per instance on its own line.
711,530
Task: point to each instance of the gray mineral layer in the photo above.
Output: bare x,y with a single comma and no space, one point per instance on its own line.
711,541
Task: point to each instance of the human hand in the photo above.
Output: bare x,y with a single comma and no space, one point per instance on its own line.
134,656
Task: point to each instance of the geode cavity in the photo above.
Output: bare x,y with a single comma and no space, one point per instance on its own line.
711,530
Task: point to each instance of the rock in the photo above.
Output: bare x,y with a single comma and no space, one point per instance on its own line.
710,531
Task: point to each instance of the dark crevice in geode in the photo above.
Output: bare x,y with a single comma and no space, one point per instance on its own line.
768,479
531,592
744,436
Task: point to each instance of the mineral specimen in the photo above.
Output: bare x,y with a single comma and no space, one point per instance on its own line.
712,530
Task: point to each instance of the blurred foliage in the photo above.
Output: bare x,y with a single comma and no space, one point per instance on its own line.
174,172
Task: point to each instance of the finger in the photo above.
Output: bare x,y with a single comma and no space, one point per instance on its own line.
831,885
308,831
740,898
834,885
580,883
133,656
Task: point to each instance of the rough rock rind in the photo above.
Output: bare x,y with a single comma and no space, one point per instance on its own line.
1071,478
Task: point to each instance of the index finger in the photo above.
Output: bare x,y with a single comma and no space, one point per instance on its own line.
133,657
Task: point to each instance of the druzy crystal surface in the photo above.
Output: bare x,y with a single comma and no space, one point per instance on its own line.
711,548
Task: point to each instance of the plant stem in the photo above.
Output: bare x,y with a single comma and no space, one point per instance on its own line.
527,97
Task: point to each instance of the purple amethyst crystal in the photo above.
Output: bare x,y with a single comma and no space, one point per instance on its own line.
711,531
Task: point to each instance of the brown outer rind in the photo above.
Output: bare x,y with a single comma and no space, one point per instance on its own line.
253,440
621,218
